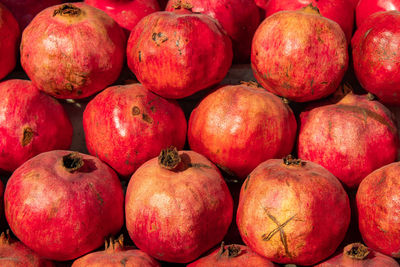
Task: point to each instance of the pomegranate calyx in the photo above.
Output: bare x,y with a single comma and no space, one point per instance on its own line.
251,84
356,251
5,238
371,97
290,160
230,251
114,244
67,10
72,162
179,5
169,158
311,9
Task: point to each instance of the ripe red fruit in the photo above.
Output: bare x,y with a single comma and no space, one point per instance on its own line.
292,211
62,204
365,8
299,55
378,208
351,138
10,34
31,122
177,206
72,50
239,126
126,125
176,54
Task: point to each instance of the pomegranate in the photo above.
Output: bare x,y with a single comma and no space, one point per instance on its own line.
10,34
378,208
365,8
232,256
350,138
375,55
358,255
292,211
31,122
239,126
126,125
116,254
340,11
62,204
175,54
72,50
177,206
127,13
240,19
15,254
299,54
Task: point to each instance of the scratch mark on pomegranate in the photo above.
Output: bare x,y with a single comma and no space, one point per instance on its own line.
159,38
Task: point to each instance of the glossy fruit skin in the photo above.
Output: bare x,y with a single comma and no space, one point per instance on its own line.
176,54
378,210
340,11
62,215
283,214
31,122
299,55
72,56
246,257
10,34
351,138
178,215
375,55
239,126
239,18
127,13
126,125
365,8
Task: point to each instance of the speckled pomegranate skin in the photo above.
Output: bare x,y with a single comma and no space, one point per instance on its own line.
299,55
365,8
176,54
31,122
295,214
126,125
72,55
239,126
376,57
62,215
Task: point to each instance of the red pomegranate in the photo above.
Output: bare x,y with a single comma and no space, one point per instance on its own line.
31,122
239,126
240,19
176,54
116,255
15,254
10,34
299,54
127,13
292,211
62,204
177,206
72,50
232,256
350,138
365,8
375,55
358,255
378,208
25,10
126,125
340,11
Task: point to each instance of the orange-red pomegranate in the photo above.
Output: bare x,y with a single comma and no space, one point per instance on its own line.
177,206
239,126
293,211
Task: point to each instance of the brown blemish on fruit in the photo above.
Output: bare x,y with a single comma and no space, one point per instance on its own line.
246,183
98,196
27,136
140,56
135,111
147,118
159,38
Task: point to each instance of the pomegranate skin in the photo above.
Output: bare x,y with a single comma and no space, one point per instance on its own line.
31,122
127,13
177,215
365,8
126,125
60,213
232,256
72,50
299,55
175,60
10,34
351,138
239,126
291,222
240,19
378,209
375,55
